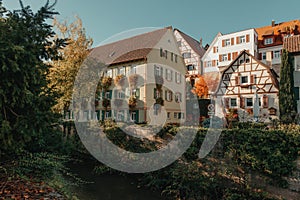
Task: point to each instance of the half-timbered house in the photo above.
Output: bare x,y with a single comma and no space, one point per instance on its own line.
246,82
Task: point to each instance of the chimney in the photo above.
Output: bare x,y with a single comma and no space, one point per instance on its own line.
200,41
273,23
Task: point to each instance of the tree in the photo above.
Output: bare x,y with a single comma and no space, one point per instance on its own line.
200,88
63,73
287,103
26,41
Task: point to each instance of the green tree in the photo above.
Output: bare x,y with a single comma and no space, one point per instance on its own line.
287,103
26,42
63,72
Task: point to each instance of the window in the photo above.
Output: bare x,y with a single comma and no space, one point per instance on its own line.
168,95
277,54
133,116
190,67
242,39
169,74
122,71
157,93
224,57
133,70
179,43
172,55
178,97
158,71
135,92
156,108
296,92
175,58
168,115
249,102
209,63
109,73
244,79
268,41
263,55
166,54
120,115
178,77
226,42
186,55
233,102
107,114
175,115
107,95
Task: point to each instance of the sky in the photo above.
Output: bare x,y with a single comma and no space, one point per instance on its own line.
103,19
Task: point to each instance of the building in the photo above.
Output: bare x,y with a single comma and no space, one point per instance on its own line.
243,83
225,48
192,52
292,44
270,41
147,73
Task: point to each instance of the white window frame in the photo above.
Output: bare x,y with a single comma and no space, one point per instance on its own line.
224,57
246,102
169,74
268,41
158,70
106,114
178,97
277,54
227,42
107,95
120,115
177,77
122,70
242,39
109,73
133,69
209,63
241,81
169,95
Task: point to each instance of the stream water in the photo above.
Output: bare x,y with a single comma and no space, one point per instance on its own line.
109,186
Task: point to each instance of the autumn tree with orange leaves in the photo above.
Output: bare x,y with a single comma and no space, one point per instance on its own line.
200,88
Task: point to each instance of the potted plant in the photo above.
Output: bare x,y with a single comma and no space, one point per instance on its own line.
106,82
160,101
133,79
132,102
106,103
119,80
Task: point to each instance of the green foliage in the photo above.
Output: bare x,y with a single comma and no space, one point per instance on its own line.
287,103
26,41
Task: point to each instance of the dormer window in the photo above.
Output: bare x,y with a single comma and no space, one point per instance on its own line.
268,41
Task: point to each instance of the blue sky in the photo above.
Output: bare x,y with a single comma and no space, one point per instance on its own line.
105,18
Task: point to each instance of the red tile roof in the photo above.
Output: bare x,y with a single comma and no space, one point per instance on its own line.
194,44
212,80
130,49
277,31
292,44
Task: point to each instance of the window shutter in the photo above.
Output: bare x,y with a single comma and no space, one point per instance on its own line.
220,58
205,64
166,94
214,50
110,94
226,102
237,80
265,101
229,56
154,94
161,72
232,41
260,56
214,63
171,75
248,38
252,79
237,40
272,54
242,102
223,43
161,52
